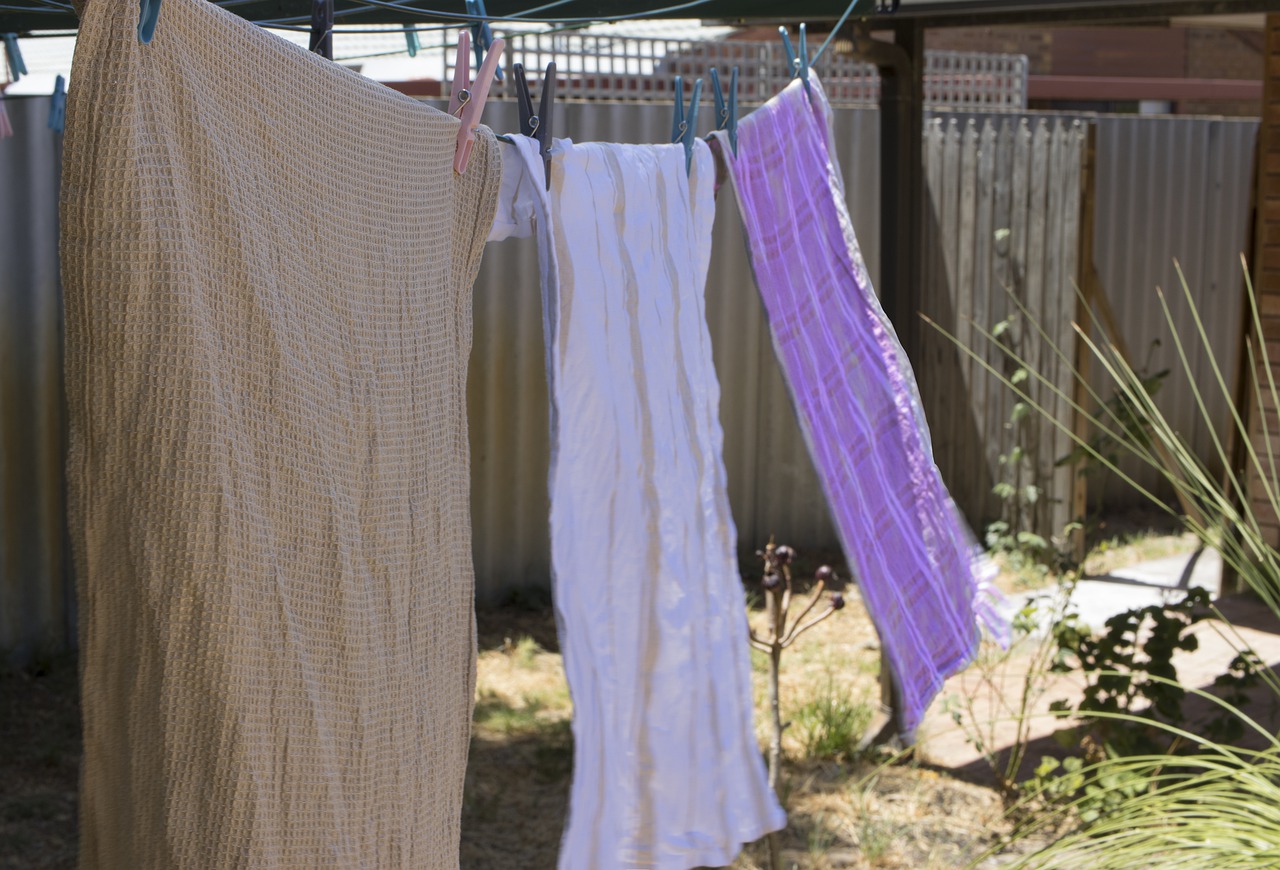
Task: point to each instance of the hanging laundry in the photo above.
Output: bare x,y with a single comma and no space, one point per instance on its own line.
268,263
924,581
667,770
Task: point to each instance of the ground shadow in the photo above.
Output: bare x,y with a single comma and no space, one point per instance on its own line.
1263,706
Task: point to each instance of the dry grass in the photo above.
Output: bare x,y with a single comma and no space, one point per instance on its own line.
871,815
845,811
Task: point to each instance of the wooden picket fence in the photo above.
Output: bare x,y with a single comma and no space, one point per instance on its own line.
1003,217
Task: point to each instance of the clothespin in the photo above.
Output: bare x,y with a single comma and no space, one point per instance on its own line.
17,66
148,15
799,63
466,103
685,130
481,33
322,28
58,106
411,40
537,126
727,113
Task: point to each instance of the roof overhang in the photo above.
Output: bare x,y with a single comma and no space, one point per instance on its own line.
28,15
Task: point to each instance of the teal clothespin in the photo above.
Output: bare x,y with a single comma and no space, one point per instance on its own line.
17,66
411,40
148,15
727,112
481,34
799,63
58,106
685,130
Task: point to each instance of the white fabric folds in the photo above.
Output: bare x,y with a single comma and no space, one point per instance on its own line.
667,770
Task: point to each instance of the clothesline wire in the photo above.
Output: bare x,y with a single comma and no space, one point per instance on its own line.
459,19
832,35
292,19
462,18
45,6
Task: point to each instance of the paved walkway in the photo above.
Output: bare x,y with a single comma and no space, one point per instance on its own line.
995,696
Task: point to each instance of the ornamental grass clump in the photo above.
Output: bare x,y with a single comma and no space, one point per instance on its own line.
1212,803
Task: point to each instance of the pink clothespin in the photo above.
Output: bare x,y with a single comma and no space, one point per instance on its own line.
467,100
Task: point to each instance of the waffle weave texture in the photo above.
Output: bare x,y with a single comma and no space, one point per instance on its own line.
267,262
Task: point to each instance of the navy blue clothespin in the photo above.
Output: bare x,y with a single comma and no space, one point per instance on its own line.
411,40
798,63
537,125
685,130
322,28
17,66
58,106
727,113
481,33
148,15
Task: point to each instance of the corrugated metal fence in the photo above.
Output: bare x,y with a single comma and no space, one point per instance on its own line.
1173,187
36,603
1200,185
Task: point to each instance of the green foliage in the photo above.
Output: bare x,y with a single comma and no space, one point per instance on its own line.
1030,655
1128,668
1132,704
1030,555
1132,426
1173,794
525,652
831,726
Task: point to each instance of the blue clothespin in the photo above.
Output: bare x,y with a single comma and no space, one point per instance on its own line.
685,130
148,15
481,33
58,106
411,40
799,63
727,114
17,66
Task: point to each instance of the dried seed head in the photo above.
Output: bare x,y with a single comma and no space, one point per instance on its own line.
824,573
837,601
771,581
784,555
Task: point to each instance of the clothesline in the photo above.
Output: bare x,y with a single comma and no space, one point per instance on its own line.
269,462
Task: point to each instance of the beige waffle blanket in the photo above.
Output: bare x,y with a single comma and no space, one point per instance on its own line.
267,262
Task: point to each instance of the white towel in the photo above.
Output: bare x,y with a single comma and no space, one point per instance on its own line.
667,770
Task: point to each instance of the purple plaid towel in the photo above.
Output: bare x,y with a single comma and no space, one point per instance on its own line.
922,577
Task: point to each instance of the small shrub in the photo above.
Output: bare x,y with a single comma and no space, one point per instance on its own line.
524,653
832,725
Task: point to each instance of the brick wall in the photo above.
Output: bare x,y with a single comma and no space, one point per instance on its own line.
1223,54
1267,268
1208,53
1035,42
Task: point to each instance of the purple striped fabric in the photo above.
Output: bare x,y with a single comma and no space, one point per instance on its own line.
922,577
